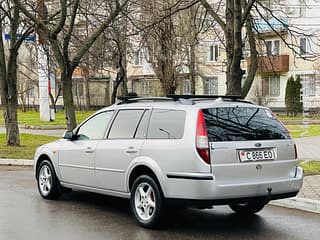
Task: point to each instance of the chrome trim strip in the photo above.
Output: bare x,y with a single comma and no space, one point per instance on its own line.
76,166
110,170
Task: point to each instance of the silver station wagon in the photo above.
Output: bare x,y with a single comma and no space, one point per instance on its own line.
191,151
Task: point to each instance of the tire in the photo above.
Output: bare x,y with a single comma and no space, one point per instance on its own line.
147,202
247,208
48,183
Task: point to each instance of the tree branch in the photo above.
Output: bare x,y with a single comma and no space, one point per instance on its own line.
213,13
246,11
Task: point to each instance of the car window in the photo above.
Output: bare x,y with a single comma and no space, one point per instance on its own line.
143,125
166,124
95,127
243,123
125,124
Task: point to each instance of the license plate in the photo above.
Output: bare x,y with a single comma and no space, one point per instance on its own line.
256,155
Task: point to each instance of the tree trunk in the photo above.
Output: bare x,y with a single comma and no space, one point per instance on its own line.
234,38
87,92
253,59
115,87
10,102
68,100
192,69
8,81
11,121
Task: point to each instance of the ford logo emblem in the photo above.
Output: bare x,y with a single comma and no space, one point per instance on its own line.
258,167
258,144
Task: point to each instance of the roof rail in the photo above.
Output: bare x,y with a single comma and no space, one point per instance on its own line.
184,99
133,99
206,97
192,99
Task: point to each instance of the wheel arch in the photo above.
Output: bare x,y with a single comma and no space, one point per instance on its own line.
40,159
145,169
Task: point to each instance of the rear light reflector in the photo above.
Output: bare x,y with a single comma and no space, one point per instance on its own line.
202,142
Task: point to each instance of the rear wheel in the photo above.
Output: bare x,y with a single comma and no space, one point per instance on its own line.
147,203
247,208
48,183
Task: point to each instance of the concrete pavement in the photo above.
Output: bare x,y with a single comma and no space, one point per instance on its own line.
57,132
308,148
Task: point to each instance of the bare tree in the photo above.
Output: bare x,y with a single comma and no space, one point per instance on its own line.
237,14
160,25
59,33
10,20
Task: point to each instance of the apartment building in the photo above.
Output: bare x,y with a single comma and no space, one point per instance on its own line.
288,45
291,50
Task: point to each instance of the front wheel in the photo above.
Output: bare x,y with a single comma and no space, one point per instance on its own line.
247,208
48,183
147,203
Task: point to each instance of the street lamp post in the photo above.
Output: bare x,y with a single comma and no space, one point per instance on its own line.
43,71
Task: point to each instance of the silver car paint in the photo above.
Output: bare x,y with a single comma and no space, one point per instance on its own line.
231,179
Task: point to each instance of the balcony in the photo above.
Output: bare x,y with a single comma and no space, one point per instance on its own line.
272,64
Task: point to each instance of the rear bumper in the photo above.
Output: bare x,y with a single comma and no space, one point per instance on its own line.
203,189
208,203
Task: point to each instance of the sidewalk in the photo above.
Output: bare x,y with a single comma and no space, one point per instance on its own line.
308,198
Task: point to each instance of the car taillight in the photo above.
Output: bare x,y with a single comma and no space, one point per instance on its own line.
202,143
295,152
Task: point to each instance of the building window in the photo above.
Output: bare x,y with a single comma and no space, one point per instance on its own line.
138,57
210,86
308,82
213,53
303,8
273,47
31,91
271,86
303,47
186,86
78,89
146,87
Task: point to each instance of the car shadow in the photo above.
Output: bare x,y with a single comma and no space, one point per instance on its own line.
187,223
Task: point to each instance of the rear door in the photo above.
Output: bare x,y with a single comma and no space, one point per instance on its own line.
248,143
123,144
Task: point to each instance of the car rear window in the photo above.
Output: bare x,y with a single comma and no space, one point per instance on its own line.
243,123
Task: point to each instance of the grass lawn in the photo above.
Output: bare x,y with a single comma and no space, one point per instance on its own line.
310,167
298,131
298,117
33,118
29,143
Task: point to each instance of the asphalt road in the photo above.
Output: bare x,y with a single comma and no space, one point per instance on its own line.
79,215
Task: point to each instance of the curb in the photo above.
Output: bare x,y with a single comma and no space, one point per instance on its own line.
43,127
304,204
16,162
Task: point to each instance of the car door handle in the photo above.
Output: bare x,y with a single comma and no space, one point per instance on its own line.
89,150
131,150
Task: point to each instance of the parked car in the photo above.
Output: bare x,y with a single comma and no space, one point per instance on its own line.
194,151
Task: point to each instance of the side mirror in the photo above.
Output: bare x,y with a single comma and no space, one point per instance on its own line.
68,135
